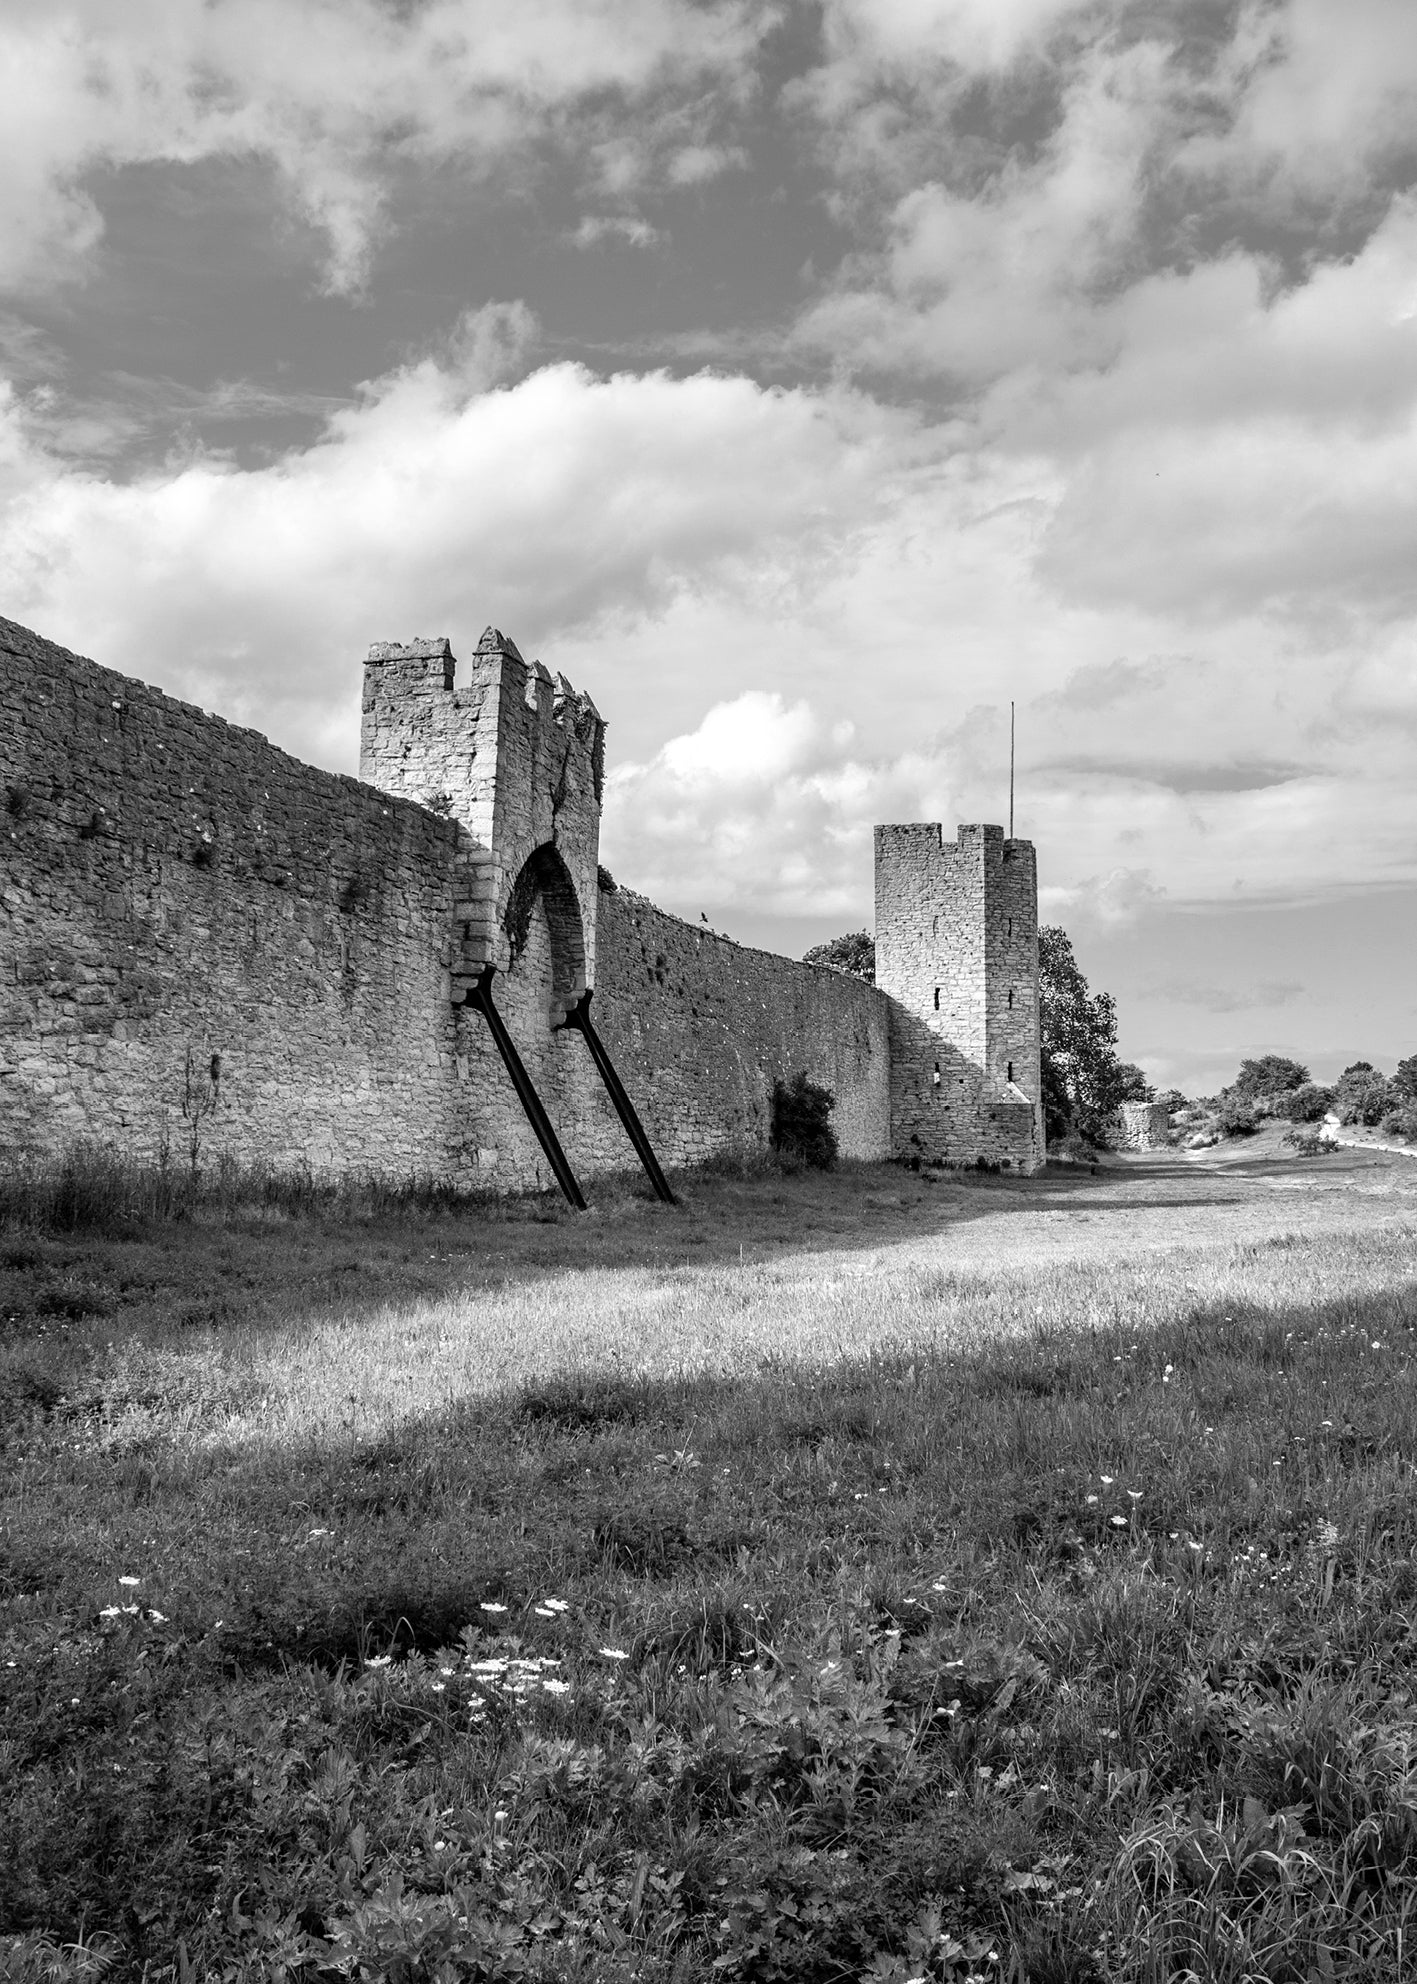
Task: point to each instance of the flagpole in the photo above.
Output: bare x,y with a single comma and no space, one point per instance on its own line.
1011,771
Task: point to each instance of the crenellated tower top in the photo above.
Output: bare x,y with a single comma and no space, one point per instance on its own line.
513,753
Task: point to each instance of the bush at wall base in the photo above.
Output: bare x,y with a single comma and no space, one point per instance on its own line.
801,1128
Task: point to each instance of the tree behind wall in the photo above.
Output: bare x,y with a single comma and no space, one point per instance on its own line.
1084,1080
855,952
1269,1075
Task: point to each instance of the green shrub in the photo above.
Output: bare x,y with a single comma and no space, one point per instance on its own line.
1310,1143
1309,1104
1269,1075
1236,1117
1402,1123
801,1127
1363,1095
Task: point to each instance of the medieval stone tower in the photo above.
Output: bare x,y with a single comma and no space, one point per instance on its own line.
517,757
957,952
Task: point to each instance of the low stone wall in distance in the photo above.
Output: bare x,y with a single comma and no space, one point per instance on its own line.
1141,1126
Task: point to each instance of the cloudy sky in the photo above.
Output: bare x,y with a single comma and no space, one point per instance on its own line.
807,379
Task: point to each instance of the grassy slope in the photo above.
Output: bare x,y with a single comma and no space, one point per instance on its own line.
1005,1589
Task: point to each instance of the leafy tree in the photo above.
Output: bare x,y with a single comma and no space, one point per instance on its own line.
1270,1074
1132,1084
1237,1116
856,953
1057,1103
1174,1100
1362,1095
1404,1078
1309,1104
1080,1063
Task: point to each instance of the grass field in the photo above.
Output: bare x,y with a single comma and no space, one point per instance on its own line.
848,1577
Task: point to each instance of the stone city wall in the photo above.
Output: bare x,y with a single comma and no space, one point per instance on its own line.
1141,1126
176,889
704,1027
193,921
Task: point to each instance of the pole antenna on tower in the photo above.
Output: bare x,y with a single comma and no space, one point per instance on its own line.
1011,771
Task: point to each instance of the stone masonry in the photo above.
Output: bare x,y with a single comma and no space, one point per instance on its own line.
1141,1126
516,756
200,933
957,953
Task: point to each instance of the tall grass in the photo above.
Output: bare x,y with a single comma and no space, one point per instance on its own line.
92,1188
873,1612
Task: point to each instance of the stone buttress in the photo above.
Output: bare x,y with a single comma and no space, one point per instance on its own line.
957,953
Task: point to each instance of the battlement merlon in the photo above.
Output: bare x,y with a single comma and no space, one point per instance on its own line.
926,837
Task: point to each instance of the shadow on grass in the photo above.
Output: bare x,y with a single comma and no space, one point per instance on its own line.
591,1484
1104,1507
217,1268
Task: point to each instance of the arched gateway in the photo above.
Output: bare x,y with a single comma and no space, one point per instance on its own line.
517,757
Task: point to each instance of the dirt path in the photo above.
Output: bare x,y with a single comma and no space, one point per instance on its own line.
1153,1201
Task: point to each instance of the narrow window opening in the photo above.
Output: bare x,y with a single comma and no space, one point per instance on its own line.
937,1075
1011,998
937,998
1011,1071
1011,930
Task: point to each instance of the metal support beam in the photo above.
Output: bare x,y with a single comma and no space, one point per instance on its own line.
481,997
578,1016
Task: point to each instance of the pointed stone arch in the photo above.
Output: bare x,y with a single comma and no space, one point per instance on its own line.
544,878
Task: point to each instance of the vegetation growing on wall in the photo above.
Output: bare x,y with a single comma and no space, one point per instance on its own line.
801,1122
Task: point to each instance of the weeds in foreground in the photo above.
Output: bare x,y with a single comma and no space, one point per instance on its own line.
95,1189
1085,1657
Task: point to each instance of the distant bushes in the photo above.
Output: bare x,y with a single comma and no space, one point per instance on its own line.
1236,1116
801,1123
1309,1103
1362,1095
1274,1087
1309,1143
1268,1077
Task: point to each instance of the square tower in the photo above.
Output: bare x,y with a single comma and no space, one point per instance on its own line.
517,758
957,953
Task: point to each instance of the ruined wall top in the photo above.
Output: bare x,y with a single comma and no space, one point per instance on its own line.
517,756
